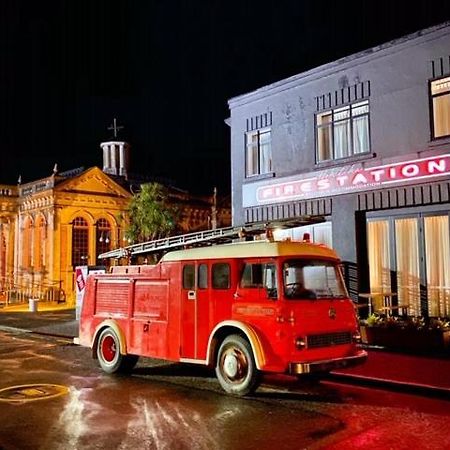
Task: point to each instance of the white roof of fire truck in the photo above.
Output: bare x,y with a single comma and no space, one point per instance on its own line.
253,249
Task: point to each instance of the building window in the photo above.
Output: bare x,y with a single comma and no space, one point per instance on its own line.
320,233
40,244
343,132
103,238
80,242
258,152
410,255
440,98
27,248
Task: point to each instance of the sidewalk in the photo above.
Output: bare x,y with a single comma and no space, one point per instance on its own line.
57,319
420,372
406,370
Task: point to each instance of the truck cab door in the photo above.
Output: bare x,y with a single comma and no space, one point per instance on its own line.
194,310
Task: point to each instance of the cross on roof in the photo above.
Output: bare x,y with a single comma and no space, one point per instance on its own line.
115,127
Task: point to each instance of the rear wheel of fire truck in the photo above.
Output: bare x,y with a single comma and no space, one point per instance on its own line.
109,356
235,368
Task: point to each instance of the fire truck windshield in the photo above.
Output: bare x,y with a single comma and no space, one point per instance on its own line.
310,279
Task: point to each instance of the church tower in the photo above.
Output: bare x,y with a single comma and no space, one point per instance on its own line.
115,154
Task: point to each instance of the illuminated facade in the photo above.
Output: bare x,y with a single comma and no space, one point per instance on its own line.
54,224
51,225
362,144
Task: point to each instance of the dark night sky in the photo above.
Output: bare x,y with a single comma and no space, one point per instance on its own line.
165,69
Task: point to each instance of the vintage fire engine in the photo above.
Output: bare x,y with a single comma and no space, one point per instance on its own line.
244,308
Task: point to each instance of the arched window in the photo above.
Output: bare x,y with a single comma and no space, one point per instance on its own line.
103,237
40,243
27,247
2,257
80,242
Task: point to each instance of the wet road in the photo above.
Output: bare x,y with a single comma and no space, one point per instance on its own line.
172,406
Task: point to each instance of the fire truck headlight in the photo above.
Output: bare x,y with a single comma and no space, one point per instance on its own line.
356,337
300,343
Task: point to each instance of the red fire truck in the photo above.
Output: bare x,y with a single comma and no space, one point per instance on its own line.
244,308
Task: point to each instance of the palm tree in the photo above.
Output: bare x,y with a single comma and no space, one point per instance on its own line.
150,214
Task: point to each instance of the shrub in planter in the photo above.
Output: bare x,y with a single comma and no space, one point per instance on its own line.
412,333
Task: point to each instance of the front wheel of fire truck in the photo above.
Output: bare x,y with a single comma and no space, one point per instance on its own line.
109,356
235,368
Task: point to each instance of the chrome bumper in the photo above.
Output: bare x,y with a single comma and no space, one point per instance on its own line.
327,365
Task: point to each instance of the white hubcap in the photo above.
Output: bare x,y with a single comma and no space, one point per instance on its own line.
230,366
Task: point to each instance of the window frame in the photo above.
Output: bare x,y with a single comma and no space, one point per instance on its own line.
431,97
80,241
249,144
103,237
41,233
332,126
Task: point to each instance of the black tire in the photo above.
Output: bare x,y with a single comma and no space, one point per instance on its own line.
109,356
235,367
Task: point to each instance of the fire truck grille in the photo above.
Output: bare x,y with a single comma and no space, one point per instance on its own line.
327,340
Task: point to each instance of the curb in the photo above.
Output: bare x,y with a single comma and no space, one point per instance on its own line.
14,329
409,386
42,333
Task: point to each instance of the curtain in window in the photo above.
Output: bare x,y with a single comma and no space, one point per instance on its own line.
324,137
319,233
379,258
408,271
441,115
266,153
322,234
252,155
360,134
341,139
437,244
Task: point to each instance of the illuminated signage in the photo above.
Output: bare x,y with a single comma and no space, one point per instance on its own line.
325,184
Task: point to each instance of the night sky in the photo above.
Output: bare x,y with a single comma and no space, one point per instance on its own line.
165,70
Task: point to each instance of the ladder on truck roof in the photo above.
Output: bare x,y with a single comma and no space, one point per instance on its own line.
200,237
207,237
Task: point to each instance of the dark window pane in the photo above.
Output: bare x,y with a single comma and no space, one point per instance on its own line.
189,276
202,276
80,242
221,276
251,276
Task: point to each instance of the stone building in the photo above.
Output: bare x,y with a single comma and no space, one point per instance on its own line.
49,226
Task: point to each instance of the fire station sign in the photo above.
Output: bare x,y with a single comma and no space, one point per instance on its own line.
346,180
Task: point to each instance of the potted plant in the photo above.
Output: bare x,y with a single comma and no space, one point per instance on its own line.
406,333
